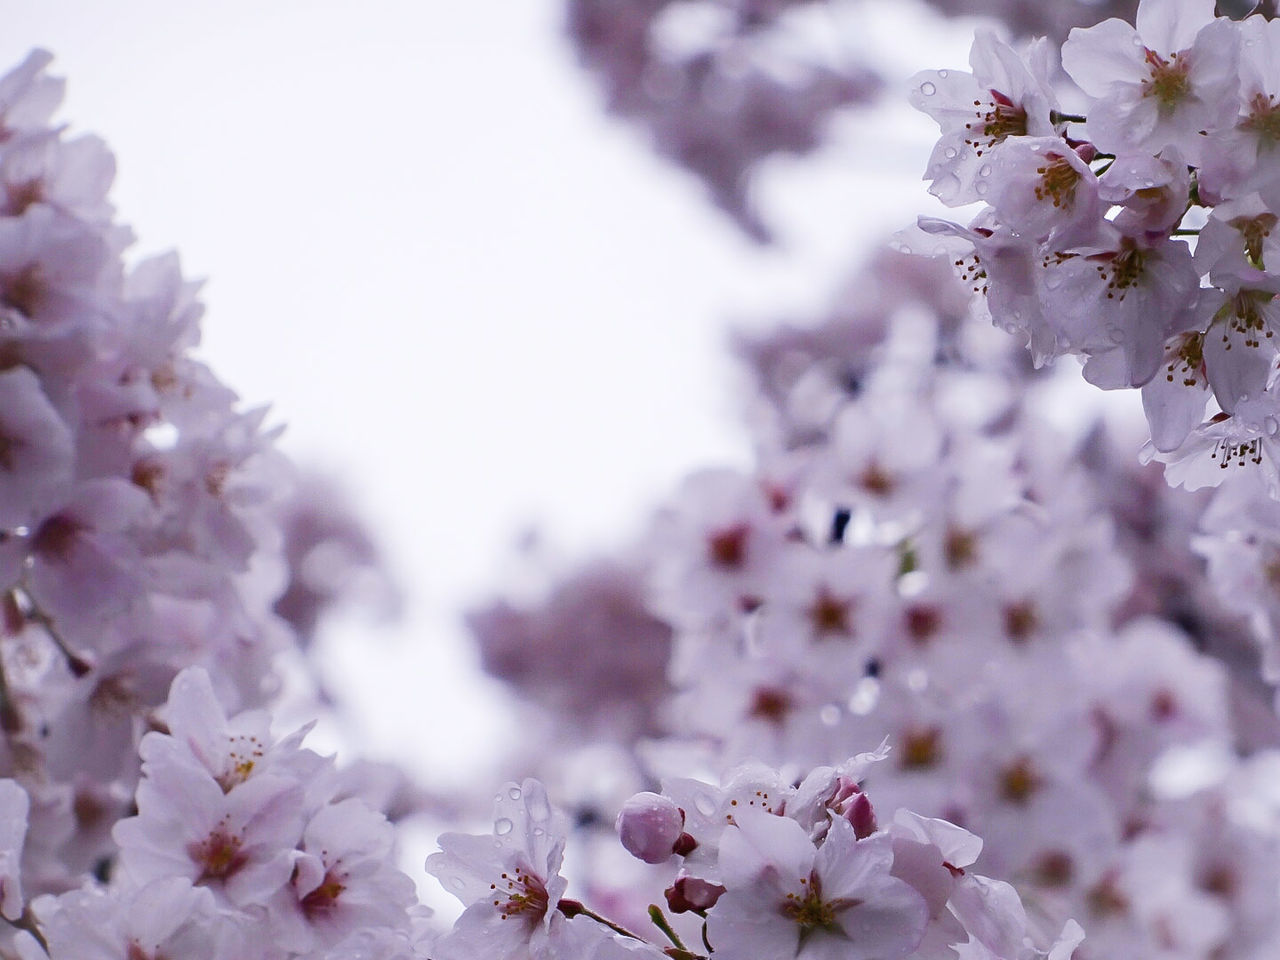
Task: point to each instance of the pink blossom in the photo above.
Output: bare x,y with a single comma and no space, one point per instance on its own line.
508,881
1166,83
1007,95
785,899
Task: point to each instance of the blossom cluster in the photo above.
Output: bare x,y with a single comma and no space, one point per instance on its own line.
918,555
242,846
146,523
722,85
1052,646
1081,246
1055,644
718,84
157,573
771,870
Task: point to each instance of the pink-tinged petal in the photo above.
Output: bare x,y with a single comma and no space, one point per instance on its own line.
1065,946
35,448
763,842
992,913
957,845
746,926
1237,359
849,866
888,925
883,916
1173,408
162,907
1098,56
1167,26
14,807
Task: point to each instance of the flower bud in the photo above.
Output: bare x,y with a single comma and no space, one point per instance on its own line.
862,816
690,893
850,802
649,826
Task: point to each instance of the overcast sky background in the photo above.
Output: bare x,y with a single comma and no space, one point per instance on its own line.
475,299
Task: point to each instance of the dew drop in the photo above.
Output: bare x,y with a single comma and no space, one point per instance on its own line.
514,793
829,715
985,170
949,153
1115,335
943,74
539,832
981,188
928,89
502,826
704,804
1271,425
457,883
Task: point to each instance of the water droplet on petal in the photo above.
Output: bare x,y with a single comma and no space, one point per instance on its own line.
514,793
949,153
1115,335
943,74
928,89
985,171
502,826
457,883
829,715
705,805
1271,425
981,188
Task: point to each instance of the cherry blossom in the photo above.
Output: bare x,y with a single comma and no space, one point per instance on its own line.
1171,81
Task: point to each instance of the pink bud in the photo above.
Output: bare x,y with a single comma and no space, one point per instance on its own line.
649,826
845,788
1085,150
690,893
862,816
685,845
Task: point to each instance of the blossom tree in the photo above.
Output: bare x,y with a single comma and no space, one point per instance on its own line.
936,676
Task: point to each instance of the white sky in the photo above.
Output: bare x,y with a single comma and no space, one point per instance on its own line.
468,293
